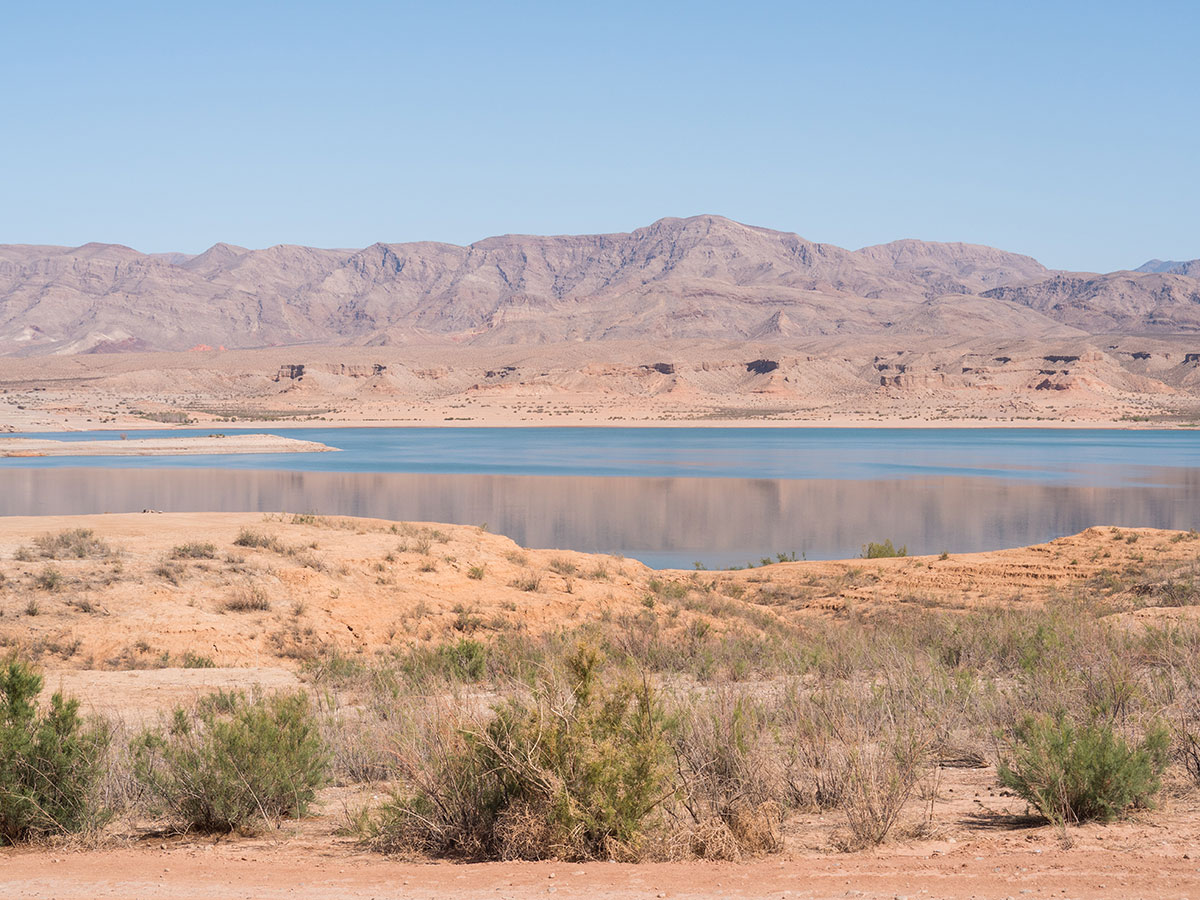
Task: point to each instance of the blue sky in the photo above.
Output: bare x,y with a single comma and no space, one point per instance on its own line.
1064,130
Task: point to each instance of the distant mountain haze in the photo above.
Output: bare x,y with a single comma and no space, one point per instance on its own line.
699,277
1190,267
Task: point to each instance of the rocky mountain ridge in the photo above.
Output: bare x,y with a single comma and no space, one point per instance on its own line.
703,277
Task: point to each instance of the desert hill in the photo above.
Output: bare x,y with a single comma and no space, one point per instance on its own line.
137,591
694,278
1190,267
971,376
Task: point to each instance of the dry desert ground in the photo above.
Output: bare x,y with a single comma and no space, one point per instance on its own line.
138,614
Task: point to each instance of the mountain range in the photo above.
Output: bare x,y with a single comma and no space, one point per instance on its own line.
698,277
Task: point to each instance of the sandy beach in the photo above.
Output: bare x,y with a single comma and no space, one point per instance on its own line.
171,446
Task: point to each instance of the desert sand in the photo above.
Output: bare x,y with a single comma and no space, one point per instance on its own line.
172,446
1114,862
360,585
112,627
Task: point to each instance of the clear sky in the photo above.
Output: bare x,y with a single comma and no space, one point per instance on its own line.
1065,130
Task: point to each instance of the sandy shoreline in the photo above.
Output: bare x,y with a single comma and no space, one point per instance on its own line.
583,422
171,446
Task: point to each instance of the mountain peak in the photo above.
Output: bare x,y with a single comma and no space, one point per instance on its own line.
218,255
695,277
1189,267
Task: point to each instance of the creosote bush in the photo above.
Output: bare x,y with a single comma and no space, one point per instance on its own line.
232,762
50,761
1078,773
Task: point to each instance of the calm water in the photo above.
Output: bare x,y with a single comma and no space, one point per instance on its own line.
670,496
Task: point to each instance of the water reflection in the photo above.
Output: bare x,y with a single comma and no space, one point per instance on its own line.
661,521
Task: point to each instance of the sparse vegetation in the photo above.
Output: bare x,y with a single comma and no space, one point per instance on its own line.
49,579
529,581
169,571
743,709
573,772
258,540
50,761
248,597
195,550
1077,773
196,661
884,550
563,566
232,762
74,543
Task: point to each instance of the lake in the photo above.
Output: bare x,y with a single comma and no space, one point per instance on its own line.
668,496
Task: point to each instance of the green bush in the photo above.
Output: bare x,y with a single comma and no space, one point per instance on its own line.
885,550
573,773
231,762
1073,774
49,761
465,660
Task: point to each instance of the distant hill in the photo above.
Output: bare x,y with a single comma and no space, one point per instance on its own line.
700,277
1190,267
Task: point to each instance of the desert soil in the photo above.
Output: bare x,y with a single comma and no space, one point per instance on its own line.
171,446
1128,863
114,628
359,585
860,381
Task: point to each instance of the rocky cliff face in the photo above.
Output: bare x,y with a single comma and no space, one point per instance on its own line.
701,277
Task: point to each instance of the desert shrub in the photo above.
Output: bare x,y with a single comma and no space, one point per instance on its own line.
863,748
247,598
529,581
731,787
670,590
196,661
563,566
465,659
259,540
359,743
77,543
879,779
231,762
1178,588
885,550
169,571
49,579
1185,741
195,550
50,762
438,666
573,772
476,573
1073,774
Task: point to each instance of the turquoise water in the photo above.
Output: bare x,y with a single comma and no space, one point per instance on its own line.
669,497
1049,455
